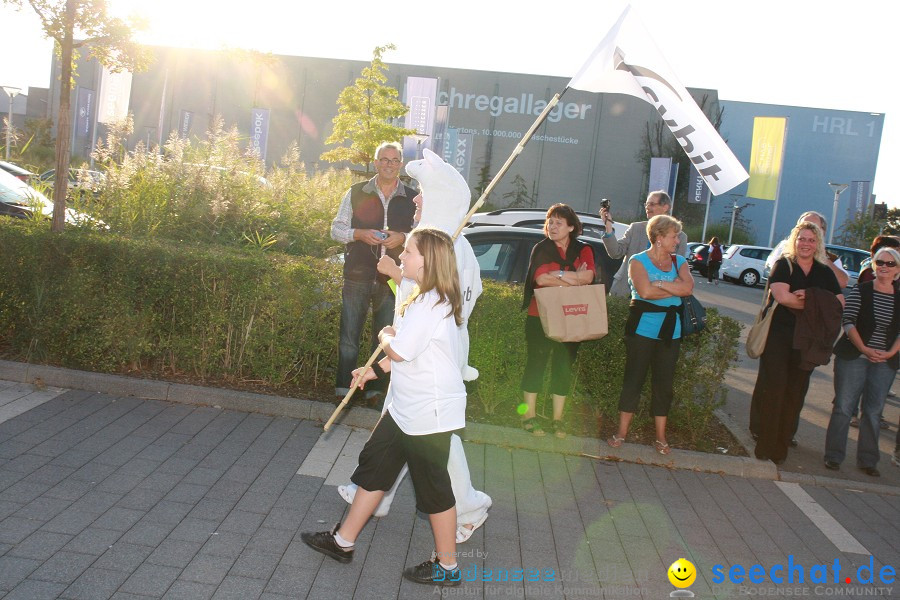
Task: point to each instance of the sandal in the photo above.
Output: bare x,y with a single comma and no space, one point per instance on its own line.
559,429
615,441
662,447
533,427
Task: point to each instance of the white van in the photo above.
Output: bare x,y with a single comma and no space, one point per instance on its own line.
744,264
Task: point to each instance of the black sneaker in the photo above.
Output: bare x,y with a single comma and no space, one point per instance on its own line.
323,541
431,572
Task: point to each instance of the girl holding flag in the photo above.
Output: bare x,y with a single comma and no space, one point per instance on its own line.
426,403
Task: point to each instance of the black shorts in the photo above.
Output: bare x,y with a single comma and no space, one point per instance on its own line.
385,453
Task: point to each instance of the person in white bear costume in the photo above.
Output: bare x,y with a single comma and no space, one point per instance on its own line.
444,203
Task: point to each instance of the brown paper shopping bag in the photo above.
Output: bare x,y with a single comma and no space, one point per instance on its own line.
574,313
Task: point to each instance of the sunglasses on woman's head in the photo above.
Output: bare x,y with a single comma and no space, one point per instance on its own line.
885,263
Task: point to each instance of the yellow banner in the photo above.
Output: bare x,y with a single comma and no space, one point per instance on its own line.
765,156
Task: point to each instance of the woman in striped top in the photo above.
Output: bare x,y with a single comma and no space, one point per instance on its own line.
865,363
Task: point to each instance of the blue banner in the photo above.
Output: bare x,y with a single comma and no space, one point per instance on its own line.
860,197
421,97
84,113
660,169
184,124
259,131
698,191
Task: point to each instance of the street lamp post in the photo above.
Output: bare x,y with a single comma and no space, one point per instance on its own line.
12,92
734,208
837,188
419,137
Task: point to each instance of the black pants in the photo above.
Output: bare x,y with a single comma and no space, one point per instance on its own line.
780,391
657,356
712,270
540,349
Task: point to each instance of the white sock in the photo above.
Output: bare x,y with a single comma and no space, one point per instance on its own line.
342,542
446,568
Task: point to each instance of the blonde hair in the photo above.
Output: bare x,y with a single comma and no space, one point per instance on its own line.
790,248
660,225
439,271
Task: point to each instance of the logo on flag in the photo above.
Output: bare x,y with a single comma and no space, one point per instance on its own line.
628,62
765,156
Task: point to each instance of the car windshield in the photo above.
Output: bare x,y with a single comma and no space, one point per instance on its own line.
15,191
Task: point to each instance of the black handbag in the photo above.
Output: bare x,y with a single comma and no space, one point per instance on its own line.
693,316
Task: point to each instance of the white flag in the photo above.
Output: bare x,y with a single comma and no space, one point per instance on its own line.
628,62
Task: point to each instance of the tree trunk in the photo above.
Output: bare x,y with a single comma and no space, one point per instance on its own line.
64,126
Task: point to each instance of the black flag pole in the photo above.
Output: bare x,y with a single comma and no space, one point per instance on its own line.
509,161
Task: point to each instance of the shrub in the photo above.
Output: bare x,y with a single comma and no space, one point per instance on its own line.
105,303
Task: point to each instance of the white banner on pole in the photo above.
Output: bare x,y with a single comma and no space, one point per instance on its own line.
628,62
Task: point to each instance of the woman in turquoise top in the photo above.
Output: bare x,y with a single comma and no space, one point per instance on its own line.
658,279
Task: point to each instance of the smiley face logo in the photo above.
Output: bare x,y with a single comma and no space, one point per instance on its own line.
682,573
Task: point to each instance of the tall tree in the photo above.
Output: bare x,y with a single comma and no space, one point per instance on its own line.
106,38
366,111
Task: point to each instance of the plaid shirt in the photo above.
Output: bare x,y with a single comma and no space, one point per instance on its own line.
340,227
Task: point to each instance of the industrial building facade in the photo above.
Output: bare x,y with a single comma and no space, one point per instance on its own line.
592,146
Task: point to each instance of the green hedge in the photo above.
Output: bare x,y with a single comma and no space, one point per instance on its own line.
105,303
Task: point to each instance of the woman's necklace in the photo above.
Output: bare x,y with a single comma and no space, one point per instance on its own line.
661,263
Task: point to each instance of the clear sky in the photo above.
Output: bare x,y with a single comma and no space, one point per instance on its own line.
818,53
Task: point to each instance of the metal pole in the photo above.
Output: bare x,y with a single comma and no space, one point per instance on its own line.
733,213
838,189
9,129
706,219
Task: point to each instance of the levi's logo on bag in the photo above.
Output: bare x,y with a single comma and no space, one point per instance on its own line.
575,309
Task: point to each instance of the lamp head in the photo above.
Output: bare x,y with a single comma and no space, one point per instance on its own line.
837,188
11,91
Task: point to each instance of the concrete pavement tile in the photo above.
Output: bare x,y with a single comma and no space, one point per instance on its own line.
174,553
40,545
161,482
239,588
147,533
179,465
95,584
292,581
257,502
15,529
227,490
279,518
93,471
212,509
227,543
255,564
14,570
169,512
187,492
96,502
70,521
23,491
271,541
50,474
189,590
93,540
194,530
25,463
123,557
70,489
63,567
242,522
31,590
73,458
151,580
203,476
206,568
143,499
119,519
43,508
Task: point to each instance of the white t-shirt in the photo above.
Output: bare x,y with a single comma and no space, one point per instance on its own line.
427,393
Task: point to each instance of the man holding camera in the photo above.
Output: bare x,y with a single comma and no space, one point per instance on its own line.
372,220
635,239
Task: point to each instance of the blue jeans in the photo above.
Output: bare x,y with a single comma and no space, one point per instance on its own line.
852,378
356,297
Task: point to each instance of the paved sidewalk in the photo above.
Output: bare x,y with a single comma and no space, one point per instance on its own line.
105,496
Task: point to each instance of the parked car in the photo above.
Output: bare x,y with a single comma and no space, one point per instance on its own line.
534,218
503,252
17,171
851,259
20,200
81,179
744,264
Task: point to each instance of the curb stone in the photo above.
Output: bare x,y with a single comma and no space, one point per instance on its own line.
366,418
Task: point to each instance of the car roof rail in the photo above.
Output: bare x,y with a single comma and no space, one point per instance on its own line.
501,211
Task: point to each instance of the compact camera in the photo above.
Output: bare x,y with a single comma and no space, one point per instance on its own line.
604,204
381,235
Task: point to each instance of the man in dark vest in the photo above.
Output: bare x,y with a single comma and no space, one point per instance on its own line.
373,220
